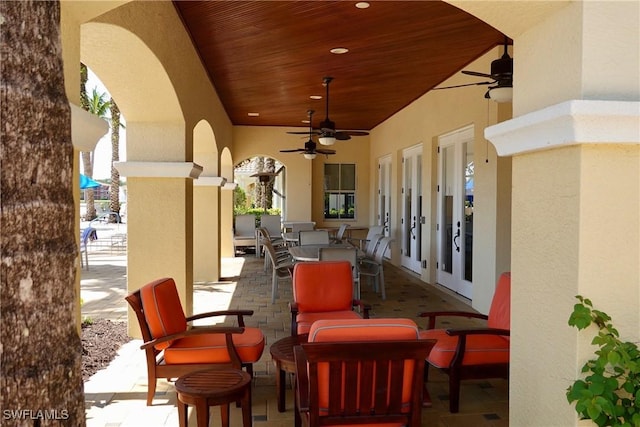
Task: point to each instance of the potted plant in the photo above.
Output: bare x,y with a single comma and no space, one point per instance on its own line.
609,392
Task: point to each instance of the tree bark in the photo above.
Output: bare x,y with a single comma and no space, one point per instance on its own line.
114,193
87,162
40,349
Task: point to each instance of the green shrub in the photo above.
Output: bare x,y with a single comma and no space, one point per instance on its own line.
609,394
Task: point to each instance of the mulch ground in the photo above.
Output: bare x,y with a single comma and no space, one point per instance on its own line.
101,340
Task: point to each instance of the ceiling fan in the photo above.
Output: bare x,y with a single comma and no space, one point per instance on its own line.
327,133
501,77
310,149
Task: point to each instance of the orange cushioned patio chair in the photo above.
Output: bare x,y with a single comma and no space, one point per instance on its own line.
173,348
361,372
472,353
323,290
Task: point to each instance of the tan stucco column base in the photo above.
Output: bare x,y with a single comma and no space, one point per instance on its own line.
160,224
576,230
206,229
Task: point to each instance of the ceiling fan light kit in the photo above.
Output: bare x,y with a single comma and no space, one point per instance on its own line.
327,140
501,94
309,156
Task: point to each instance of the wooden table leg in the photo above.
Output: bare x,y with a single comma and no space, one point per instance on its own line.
247,420
183,414
202,413
281,381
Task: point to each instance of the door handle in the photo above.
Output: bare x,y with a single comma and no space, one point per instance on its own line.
456,237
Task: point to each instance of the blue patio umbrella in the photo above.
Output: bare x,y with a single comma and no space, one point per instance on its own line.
86,182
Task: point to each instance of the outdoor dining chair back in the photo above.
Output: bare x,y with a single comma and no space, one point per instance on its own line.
373,267
313,237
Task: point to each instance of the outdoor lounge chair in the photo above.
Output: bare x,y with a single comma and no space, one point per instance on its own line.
323,290
173,349
361,372
472,353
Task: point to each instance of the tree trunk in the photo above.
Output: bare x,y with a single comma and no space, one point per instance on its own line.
259,186
114,193
40,349
270,166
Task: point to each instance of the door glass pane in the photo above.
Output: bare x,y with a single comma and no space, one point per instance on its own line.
408,170
448,181
418,227
468,211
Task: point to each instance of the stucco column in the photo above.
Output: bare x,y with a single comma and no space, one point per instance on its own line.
160,226
206,229
226,220
576,230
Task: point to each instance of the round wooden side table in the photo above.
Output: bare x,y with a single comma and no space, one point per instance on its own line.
211,388
282,355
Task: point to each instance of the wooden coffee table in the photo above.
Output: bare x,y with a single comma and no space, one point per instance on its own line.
282,355
211,388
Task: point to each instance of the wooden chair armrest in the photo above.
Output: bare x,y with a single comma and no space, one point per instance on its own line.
433,315
478,331
197,331
364,307
239,313
302,380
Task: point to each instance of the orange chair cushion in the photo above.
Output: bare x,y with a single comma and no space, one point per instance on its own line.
362,330
305,320
500,311
323,286
213,348
480,349
162,309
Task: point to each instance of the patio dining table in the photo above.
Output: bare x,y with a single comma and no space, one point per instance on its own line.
312,252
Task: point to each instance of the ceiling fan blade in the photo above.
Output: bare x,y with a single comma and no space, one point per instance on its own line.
353,132
292,151
341,136
315,132
477,74
468,84
325,151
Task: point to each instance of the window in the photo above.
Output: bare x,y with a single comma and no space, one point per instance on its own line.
339,191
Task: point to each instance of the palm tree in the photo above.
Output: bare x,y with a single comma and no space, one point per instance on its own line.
98,106
41,349
114,194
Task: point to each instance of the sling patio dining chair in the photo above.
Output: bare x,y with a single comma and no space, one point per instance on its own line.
313,237
244,232
374,267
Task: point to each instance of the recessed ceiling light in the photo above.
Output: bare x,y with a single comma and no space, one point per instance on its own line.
315,97
253,114
339,50
362,5
305,121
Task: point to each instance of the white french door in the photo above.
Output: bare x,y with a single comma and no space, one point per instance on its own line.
384,193
455,211
411,249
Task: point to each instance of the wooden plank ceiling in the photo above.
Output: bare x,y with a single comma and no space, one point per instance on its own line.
269,57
